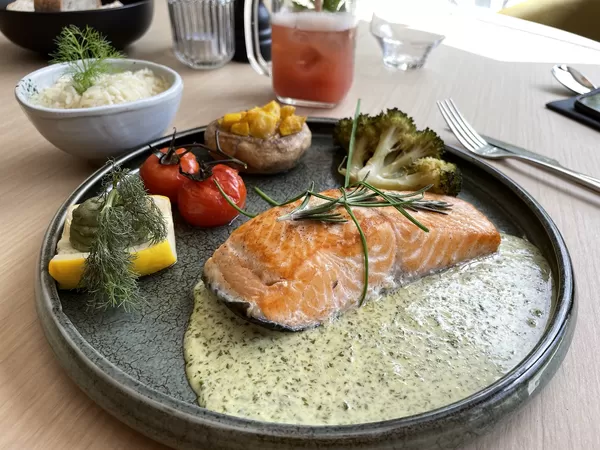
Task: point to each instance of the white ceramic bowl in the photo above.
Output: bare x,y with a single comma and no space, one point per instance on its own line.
103,131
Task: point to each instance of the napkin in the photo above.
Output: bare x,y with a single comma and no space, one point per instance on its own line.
567,108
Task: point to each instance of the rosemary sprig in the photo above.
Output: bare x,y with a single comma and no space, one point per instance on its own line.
321,212
363,240
324,212
231,202
363,195
86,52
126,217
266,197
273,202
352,142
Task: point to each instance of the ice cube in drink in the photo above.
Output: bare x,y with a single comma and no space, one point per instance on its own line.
313,56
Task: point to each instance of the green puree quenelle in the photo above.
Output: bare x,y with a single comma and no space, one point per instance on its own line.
429,344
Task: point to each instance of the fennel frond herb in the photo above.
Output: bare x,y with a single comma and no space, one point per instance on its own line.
360,194
86,52
326,5
127,217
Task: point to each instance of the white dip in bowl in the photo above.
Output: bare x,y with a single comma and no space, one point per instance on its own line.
123,110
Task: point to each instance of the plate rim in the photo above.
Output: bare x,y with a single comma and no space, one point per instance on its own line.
50,313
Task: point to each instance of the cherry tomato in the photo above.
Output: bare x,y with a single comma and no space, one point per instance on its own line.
165,179
201,204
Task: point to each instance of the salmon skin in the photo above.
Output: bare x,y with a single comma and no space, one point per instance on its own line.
293,275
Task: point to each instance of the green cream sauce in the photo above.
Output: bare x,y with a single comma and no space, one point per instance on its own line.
429,344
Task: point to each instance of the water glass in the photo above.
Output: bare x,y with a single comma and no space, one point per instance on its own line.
400,29
203,32
494,5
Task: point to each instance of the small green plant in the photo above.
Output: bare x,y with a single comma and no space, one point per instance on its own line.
326,5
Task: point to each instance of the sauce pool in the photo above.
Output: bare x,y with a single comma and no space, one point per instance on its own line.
429,344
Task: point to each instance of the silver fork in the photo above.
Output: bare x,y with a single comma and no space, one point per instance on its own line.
476,144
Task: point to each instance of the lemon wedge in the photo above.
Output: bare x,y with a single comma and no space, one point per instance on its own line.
66,267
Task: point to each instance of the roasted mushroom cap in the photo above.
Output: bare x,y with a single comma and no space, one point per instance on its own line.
267,156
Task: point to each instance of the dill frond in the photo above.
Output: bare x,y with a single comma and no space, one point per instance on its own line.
128,217
108,275
146,220
86,52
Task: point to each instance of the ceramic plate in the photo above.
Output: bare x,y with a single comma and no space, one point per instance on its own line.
132,364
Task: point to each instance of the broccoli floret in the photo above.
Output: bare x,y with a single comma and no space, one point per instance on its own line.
421,144
389,151
366,131
366,139
444,177
342,132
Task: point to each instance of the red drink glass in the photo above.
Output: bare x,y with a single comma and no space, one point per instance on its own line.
312,55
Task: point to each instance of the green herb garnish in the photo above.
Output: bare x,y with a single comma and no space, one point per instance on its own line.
360,194
352,142
86,52
126,216
231,202
326,5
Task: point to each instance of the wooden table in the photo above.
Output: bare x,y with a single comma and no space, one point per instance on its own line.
40,407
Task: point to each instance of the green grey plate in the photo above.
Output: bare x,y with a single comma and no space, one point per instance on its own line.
132,364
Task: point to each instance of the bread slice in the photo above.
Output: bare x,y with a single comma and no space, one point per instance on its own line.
65,5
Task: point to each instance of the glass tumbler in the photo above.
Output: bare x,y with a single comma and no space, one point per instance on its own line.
403,30
312,50
203,32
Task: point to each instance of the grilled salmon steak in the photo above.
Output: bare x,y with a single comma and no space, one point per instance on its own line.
298,274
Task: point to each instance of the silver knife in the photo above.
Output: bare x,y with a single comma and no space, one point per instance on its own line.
518,150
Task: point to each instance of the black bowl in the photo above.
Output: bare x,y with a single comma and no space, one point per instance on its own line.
37,30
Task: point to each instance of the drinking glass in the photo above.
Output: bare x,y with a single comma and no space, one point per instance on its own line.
203,32
400,29
312,50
